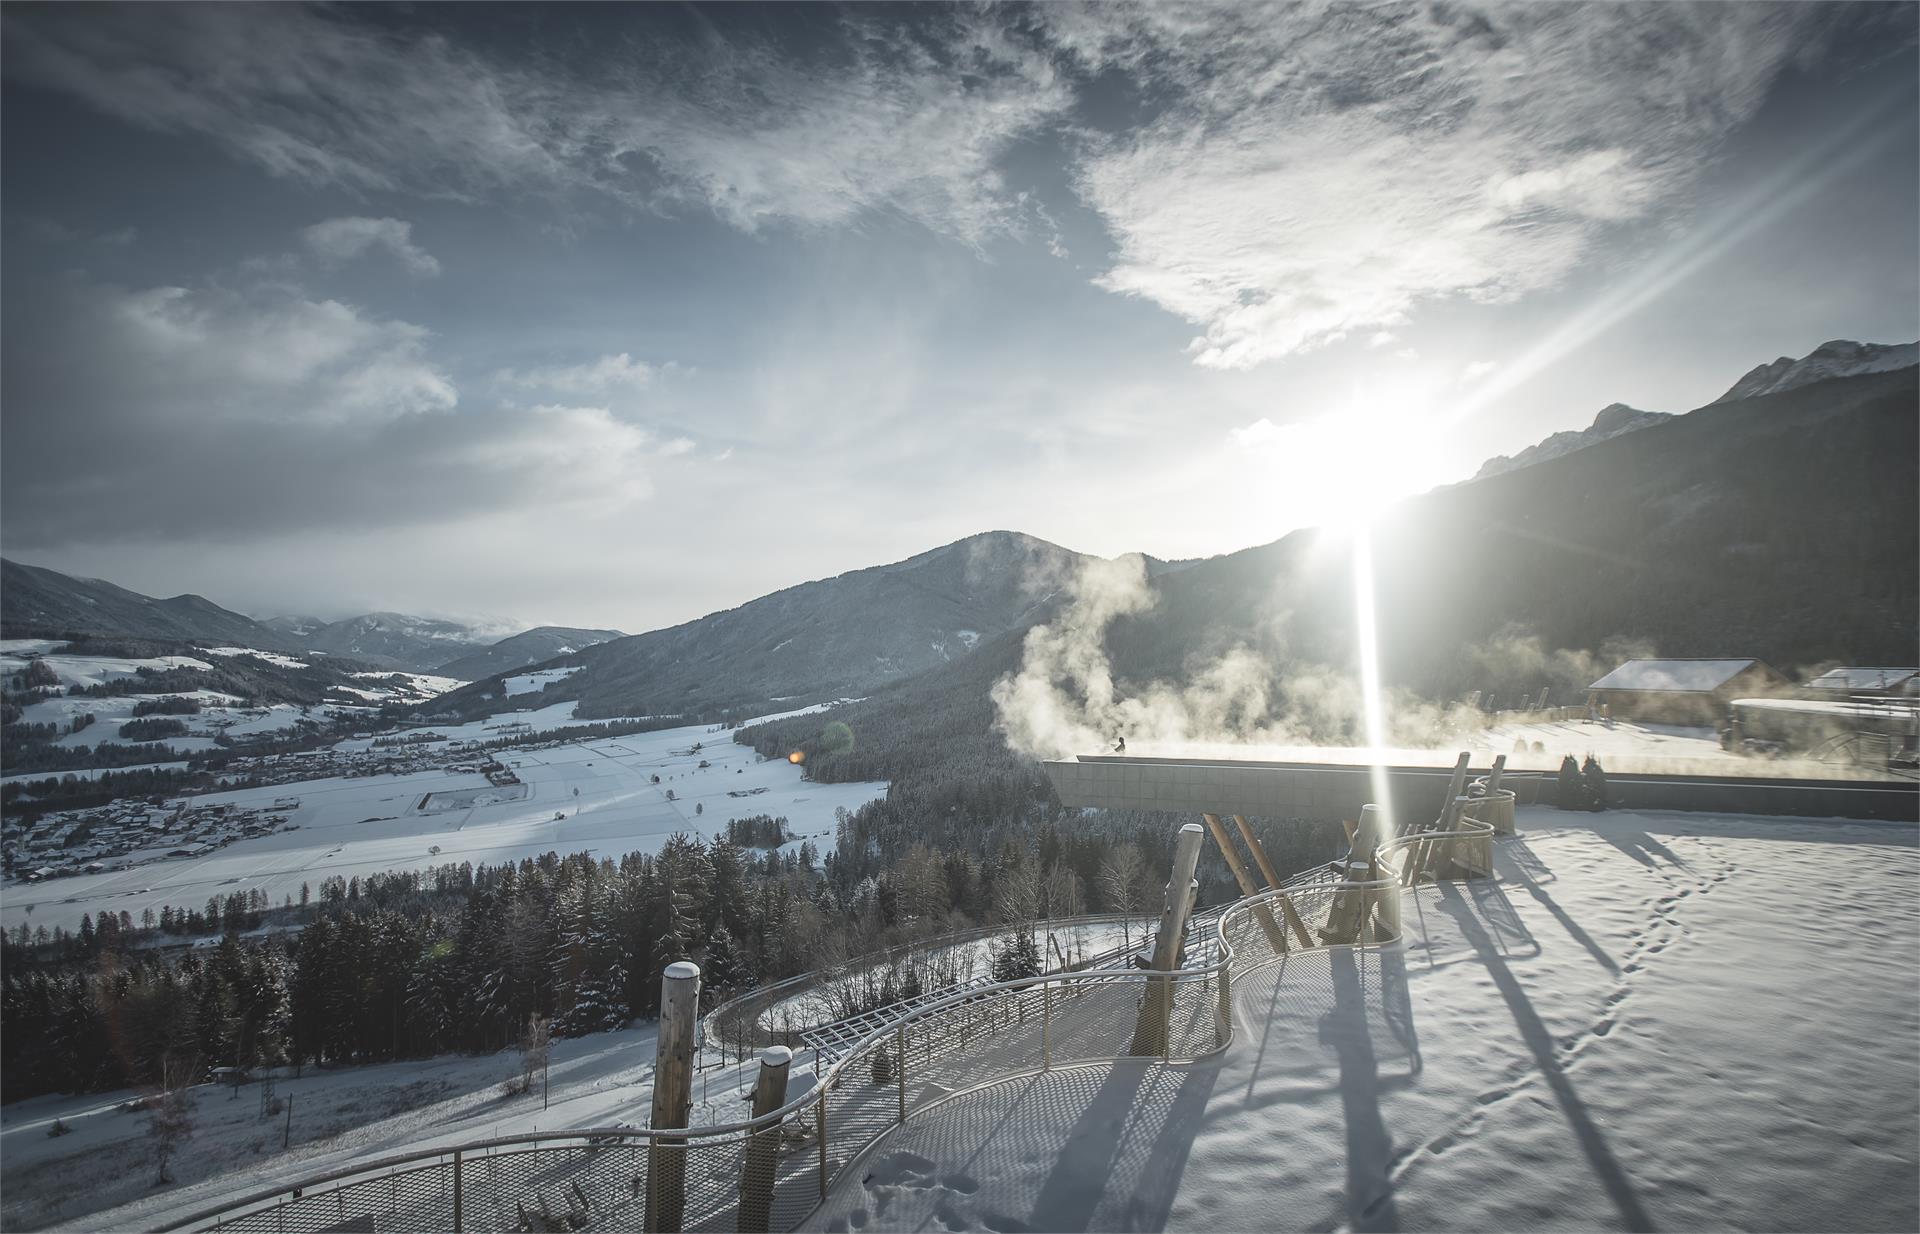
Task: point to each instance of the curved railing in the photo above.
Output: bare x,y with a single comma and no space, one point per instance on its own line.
752,1006
1460,845
771,1172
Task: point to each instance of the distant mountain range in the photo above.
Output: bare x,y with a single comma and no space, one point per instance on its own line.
1784,527
1613,420
1840,358
45,602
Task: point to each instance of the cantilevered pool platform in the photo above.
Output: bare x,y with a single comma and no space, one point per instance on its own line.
1323,782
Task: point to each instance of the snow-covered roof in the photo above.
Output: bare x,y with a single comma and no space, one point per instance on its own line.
1863,679
1675,675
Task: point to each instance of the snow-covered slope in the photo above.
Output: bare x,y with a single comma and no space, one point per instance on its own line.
1613,420
1839,358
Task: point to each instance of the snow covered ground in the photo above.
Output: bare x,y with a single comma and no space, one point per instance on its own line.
86,670
219,713
602,790
531,683
1651,1021
338,1117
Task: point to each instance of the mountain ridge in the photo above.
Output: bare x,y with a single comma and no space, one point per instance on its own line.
1835,358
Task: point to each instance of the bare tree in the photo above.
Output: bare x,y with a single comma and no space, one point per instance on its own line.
534,1044
1016,894
1066,894
170,1113
1120,874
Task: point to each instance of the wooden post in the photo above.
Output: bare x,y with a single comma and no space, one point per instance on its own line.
1263,914
1455,787
1046,1026
1348,915
820,1112
763,1149
1420,853
672,1097
1156,1009
1499,809
458,1225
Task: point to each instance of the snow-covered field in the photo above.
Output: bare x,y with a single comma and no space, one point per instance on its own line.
84,670
1651,1021
219,713
359,826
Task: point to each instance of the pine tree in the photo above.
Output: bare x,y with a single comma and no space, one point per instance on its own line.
1572,793
1017,958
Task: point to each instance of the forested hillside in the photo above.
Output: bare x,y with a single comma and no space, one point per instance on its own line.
41,603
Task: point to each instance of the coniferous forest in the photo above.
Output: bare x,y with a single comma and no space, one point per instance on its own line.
457,958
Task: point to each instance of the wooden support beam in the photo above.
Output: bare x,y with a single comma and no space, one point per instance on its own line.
1258,850
1276,938
1287,910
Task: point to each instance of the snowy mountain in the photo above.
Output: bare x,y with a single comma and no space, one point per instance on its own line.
38,601
820,640
398,639
1839,358
293,626
1613,420
520,650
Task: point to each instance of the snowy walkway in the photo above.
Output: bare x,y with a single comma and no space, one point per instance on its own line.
1650,1022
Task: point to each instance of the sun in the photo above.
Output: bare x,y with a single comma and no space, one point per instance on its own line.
1343,468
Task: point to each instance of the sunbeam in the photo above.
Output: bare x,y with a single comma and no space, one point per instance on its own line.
1366,631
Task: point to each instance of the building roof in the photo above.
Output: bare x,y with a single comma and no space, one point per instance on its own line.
1863,679
1677,676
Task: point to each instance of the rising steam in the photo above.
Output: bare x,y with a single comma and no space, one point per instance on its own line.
1064,699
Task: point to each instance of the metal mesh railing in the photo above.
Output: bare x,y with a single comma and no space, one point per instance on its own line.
1457,846
769,1174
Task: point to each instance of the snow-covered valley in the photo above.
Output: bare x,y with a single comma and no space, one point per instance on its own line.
593,796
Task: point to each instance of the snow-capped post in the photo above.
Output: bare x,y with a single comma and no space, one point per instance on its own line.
672,1096
763,1149
1150,1034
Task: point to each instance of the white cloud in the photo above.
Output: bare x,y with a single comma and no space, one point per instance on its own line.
269,353
225,414
883,119
1319,172
1476,370
344,239
602,376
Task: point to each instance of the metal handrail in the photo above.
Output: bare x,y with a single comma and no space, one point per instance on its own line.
687,1138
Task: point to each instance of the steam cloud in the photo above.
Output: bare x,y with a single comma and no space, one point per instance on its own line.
1064,699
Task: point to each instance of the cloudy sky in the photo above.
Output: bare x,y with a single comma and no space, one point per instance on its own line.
615,316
